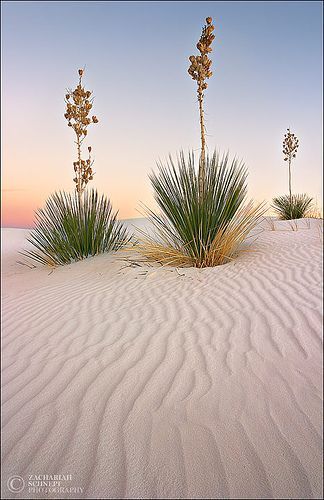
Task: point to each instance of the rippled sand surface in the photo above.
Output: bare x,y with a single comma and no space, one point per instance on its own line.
142,382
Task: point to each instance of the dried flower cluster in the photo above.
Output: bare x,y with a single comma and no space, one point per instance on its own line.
199,70
290,145
200,65
78,106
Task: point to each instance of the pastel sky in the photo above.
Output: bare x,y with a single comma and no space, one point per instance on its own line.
267,65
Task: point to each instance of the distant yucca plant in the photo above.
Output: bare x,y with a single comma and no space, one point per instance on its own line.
190,231
69,229
295,206
291,206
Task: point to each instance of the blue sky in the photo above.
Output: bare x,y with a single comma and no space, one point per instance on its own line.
267,75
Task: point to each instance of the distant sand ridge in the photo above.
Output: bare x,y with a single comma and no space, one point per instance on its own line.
142,382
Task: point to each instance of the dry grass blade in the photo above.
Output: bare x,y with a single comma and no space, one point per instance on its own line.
165,254
225,246
223,249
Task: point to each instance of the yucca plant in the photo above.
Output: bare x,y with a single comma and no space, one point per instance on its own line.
68,230
293,206
203,217
75,226
189,232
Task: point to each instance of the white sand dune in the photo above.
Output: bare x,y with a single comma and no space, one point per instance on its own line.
142,382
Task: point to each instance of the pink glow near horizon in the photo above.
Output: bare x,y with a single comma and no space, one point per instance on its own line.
252,97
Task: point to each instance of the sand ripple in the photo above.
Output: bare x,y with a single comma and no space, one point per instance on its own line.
199,384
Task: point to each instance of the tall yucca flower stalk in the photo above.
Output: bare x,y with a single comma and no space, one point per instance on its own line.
199,70
290,146
78,106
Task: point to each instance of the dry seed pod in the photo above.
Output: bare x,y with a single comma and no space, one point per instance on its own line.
77,117
290,145
199,71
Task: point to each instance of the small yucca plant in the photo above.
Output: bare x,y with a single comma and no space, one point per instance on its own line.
68,230
75,226
192,232
295,206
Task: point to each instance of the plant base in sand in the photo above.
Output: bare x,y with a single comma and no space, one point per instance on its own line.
295,206
196,231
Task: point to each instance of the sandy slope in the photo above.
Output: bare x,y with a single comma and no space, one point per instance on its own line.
143,382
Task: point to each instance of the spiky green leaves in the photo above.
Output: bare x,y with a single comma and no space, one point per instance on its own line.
291,207
68,230
194,231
